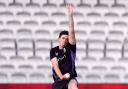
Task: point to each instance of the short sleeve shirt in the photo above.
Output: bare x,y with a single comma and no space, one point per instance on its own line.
66,60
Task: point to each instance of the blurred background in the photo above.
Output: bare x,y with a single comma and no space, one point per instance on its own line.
29,28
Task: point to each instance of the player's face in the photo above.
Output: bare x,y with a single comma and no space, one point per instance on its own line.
63,40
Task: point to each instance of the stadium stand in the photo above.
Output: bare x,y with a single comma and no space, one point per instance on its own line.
29,28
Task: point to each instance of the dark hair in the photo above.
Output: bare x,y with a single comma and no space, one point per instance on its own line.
63,33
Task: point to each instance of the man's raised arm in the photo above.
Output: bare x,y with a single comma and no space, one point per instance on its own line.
72,39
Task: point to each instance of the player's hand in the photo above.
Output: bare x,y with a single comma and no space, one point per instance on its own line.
65,76
70,8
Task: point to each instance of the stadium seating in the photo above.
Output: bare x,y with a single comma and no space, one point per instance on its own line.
30,28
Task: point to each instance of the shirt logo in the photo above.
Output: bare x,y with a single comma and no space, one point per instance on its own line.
61,58
56,53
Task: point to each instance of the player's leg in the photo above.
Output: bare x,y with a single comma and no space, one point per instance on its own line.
73,84
57,86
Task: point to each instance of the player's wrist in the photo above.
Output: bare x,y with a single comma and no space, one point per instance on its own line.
61,77
67,76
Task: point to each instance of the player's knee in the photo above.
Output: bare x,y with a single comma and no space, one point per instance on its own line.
72,84
74,87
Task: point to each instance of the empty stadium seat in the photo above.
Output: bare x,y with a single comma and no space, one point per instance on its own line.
93,16
118,69
40,1
81,35
48,5
113,49
40,16
112,78
95,48
2,4
15,3
92,77
101,4
31,23
42,34
23,14
117,6
6,1
5,13
43,43
26,67
125,78
16,58
7,34
13,23
92,3
83,24
49,24
58,16
81,49
23,2
3,58
7,47
30,28
37,77
4,78
107,59
26,52
24,33
43,52
32,4
18,77
35,58
81,71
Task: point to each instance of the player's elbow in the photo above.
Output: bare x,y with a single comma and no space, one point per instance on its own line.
54,62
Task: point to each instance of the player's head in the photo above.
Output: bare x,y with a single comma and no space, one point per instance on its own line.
63,38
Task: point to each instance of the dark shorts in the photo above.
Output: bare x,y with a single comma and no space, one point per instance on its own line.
62,84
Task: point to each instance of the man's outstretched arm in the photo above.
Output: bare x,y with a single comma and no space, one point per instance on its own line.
57,70
72,39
